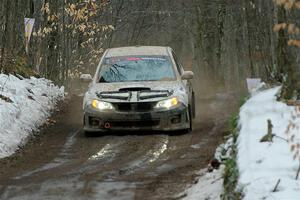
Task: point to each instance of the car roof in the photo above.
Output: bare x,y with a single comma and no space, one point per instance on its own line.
137,50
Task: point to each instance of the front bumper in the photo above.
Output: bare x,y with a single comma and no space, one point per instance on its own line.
166,120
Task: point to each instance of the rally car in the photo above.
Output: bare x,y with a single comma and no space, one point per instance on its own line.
139,88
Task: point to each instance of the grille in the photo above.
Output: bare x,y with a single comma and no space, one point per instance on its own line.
134,107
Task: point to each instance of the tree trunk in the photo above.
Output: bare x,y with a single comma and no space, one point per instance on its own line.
289,73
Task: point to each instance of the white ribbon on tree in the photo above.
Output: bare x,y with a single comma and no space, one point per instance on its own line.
253,84
29,23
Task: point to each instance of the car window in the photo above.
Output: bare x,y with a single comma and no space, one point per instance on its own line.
178,65
136,68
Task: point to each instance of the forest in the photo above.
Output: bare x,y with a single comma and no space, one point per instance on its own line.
225,40
145,127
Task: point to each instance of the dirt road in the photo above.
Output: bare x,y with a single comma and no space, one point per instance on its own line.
61,163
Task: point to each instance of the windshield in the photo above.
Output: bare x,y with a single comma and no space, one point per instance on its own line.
136,68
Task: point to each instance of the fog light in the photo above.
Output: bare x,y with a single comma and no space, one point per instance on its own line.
176,120
94,121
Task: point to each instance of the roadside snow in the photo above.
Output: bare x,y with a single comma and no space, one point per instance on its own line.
209,186
262,165
32,100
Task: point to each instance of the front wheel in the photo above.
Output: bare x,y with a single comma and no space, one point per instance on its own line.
193,106
190,120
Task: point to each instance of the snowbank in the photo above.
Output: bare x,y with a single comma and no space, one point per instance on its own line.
262,164
24,106
209,186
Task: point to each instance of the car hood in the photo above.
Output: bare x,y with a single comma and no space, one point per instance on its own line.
176,88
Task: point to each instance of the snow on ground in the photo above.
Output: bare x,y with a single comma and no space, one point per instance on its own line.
209,186
32,100
262,164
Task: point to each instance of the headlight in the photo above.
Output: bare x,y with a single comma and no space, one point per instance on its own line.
169,103
101,105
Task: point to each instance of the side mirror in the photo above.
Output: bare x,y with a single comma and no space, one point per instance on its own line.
187,75
86,77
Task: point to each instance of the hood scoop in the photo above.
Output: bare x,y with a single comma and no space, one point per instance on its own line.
134,89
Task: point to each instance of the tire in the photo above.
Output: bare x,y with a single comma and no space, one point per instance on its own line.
191,118
189,130
193,106
86,133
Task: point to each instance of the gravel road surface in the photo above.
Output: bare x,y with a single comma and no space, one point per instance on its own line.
61,163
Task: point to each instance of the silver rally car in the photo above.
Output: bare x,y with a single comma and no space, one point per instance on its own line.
139,88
